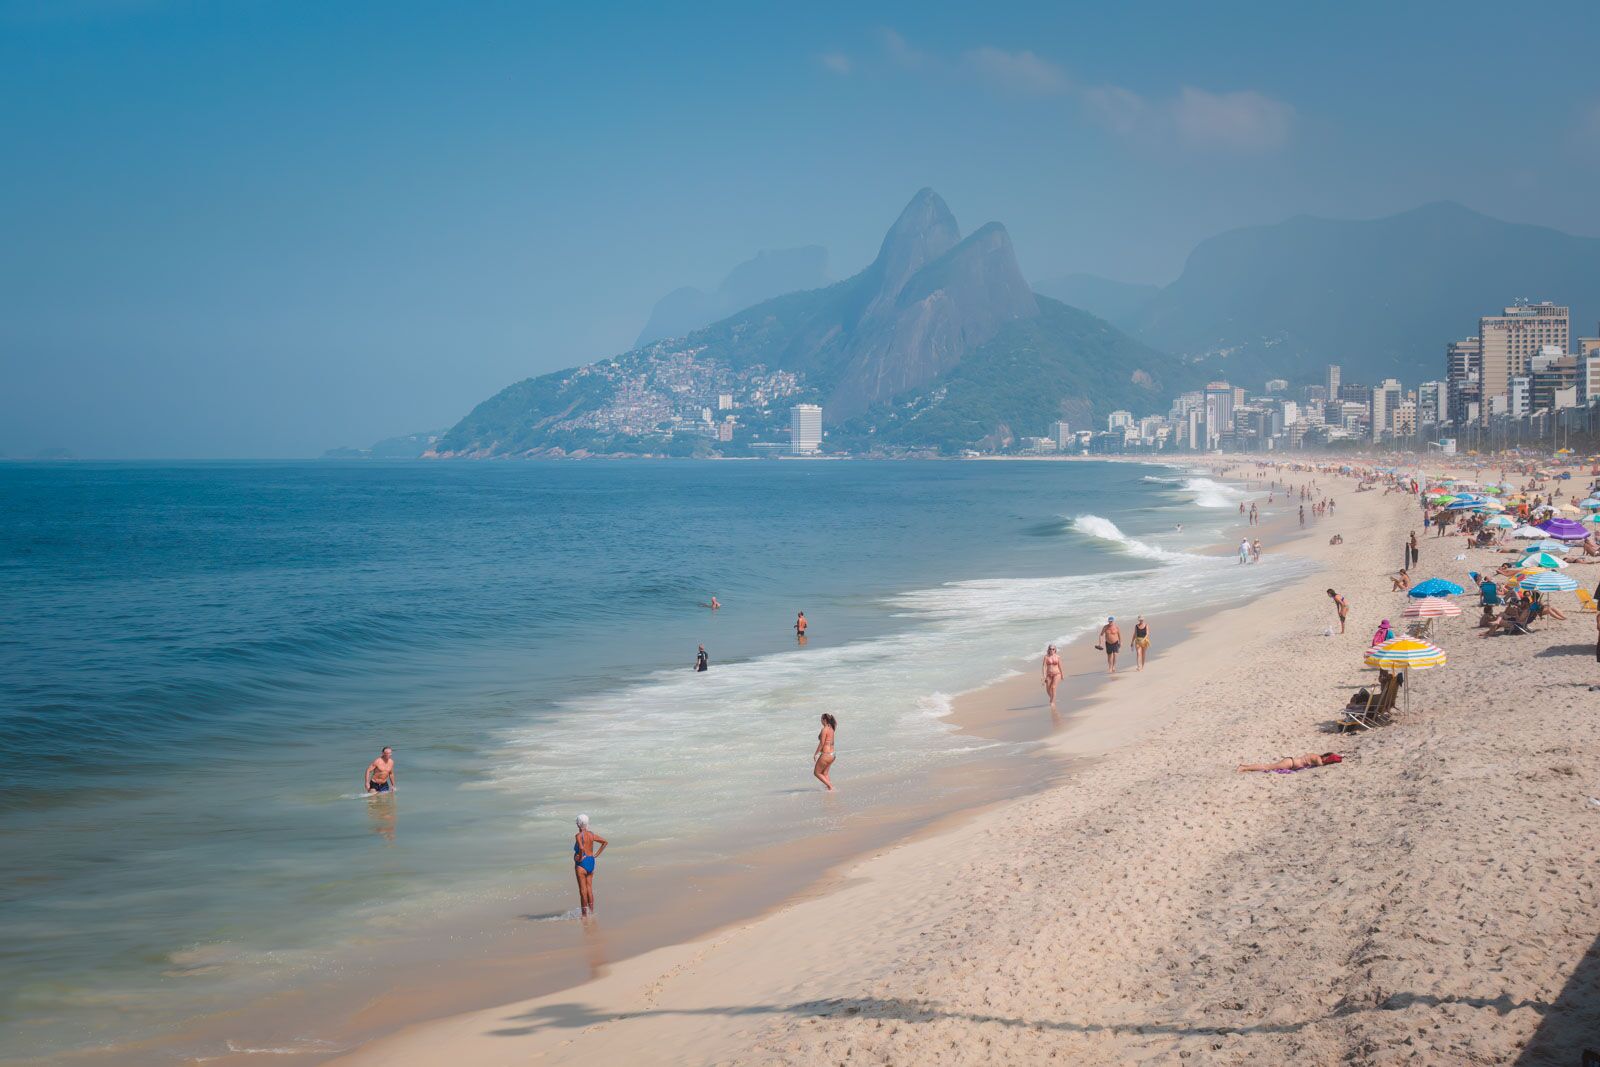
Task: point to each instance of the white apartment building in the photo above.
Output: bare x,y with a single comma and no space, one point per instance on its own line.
805,429
1061,433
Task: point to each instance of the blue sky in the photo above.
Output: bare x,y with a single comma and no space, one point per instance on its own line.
263,229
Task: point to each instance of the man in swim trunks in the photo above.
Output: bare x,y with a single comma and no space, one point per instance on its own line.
1111,639
701,661
800,626
380,773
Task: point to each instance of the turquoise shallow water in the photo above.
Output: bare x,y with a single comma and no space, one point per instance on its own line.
200,659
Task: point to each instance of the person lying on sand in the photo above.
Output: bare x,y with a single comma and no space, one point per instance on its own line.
1295,763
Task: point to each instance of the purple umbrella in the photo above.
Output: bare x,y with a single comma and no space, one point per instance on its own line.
1564,529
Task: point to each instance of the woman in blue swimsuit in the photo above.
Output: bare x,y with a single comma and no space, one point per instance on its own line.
584,853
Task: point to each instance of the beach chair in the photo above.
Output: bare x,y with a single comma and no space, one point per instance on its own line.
1585,601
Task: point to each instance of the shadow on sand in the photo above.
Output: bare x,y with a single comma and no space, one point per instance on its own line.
1569,1036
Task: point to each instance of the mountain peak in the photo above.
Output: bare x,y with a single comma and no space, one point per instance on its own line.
924,231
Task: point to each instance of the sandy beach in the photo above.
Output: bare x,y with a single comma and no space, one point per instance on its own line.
1431,900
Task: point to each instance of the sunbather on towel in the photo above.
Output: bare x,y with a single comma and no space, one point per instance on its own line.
1295,763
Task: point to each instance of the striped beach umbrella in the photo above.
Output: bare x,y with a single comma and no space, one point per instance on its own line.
1542,561
1405,654
1502,522
1565,529
1590,502
1548,582
1431,608
1555,548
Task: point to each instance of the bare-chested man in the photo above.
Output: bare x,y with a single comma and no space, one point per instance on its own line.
1111,640
380,772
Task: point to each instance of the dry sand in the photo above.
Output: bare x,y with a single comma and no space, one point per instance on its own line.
1434,899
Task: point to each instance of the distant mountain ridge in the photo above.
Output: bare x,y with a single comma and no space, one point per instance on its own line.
1116,302
887,350
1381,297
771,273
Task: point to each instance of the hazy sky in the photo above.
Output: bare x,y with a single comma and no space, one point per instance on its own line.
250,228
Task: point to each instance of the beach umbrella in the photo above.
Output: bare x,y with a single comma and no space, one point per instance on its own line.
1491,505
1433,587
1590,502
1592,518
1503,522
1553,547
1548,582
1531,533
1458,504
1564,529
1544,560
1405,654
1431,608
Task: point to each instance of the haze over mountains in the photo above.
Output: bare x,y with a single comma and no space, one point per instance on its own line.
771,273
1382,297
940,343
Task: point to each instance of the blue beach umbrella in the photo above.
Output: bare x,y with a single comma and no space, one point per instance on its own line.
1553,547
1548,582
1591,502
1434,587
1542,560
1464,505
1504,522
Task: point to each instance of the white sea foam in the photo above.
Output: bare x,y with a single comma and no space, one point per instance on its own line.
1104,529
1213,494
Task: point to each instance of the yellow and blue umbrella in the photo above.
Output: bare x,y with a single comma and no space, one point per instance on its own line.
1405,654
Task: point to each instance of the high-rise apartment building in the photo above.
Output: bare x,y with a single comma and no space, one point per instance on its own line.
1333,381
1061,433
1218,413
1464,379
1119,420
1433,403
805,429
1553,377
1588,369
1508,341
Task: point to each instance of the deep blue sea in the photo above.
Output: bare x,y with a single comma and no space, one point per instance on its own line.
199,660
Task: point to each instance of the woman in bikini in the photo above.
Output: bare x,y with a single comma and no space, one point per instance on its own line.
586,848
1141,641
824,753
1295,763
1052,673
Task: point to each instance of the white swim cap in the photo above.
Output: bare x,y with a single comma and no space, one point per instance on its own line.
583,822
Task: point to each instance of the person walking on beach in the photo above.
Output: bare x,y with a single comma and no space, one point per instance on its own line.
1342,606
586,849
380,773
701,660
1302,516
823,756
1052,673
1414,548
1141,641
1111,641
1244,550
800,627
1255,551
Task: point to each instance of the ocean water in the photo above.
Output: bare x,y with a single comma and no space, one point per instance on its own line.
199,660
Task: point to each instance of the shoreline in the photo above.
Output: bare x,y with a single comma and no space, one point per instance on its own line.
1424,902
462,972
1011,709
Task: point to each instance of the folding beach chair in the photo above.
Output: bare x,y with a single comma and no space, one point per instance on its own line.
1585,601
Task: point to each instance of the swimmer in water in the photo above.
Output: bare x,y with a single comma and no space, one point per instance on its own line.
380,773
701,661
800,625
584,854
714,604
824,753
1052,673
